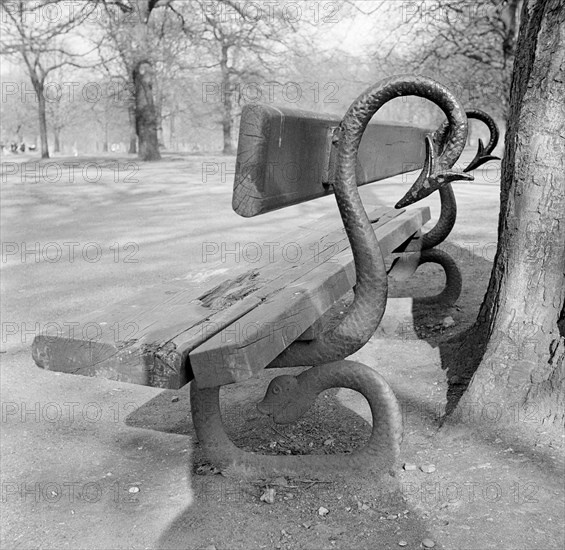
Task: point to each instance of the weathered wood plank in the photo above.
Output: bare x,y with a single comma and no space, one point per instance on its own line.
318,247
244,348
129,341
401,266
145,340
283,156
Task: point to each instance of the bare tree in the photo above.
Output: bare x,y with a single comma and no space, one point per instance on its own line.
467,44
127,26
514,355
36,32
242,48
138,33
61,113
18,115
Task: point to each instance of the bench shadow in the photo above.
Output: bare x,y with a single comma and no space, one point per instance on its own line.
446,326
170,412
453,344
228,513
221,503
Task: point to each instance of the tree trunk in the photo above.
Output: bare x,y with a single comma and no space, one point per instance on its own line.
159,117
105,144
227,103
519,349
145,114
226,127
132,150
173,144
42,114
56,139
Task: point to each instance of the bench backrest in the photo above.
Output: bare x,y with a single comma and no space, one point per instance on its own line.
286,156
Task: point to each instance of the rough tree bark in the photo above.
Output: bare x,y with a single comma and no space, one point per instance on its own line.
515,353
145,114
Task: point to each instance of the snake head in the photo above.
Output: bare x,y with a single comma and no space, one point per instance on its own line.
283,400
480,158
431,178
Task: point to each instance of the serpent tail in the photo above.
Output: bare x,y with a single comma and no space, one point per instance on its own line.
378,456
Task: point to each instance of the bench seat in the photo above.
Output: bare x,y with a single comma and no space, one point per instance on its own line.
223,330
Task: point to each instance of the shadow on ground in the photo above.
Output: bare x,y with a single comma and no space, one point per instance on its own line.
487,478
229,513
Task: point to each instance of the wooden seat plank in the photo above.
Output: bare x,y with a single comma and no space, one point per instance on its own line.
240,351
146,340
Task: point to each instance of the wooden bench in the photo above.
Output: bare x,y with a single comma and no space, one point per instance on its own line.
222,329
174,332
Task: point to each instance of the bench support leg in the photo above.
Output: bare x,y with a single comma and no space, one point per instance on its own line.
450,294
287,399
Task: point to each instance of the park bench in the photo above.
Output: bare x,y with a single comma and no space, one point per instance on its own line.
221,329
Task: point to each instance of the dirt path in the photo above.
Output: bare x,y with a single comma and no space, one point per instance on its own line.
90,463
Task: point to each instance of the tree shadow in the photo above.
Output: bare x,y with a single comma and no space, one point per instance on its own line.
462,348
449,327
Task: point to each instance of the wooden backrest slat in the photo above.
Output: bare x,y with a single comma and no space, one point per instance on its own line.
283,156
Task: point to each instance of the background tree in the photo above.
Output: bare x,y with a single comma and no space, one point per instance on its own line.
242,49
64,103
515,353
146,42
469,45
127,26
18,111
112,113
37,33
